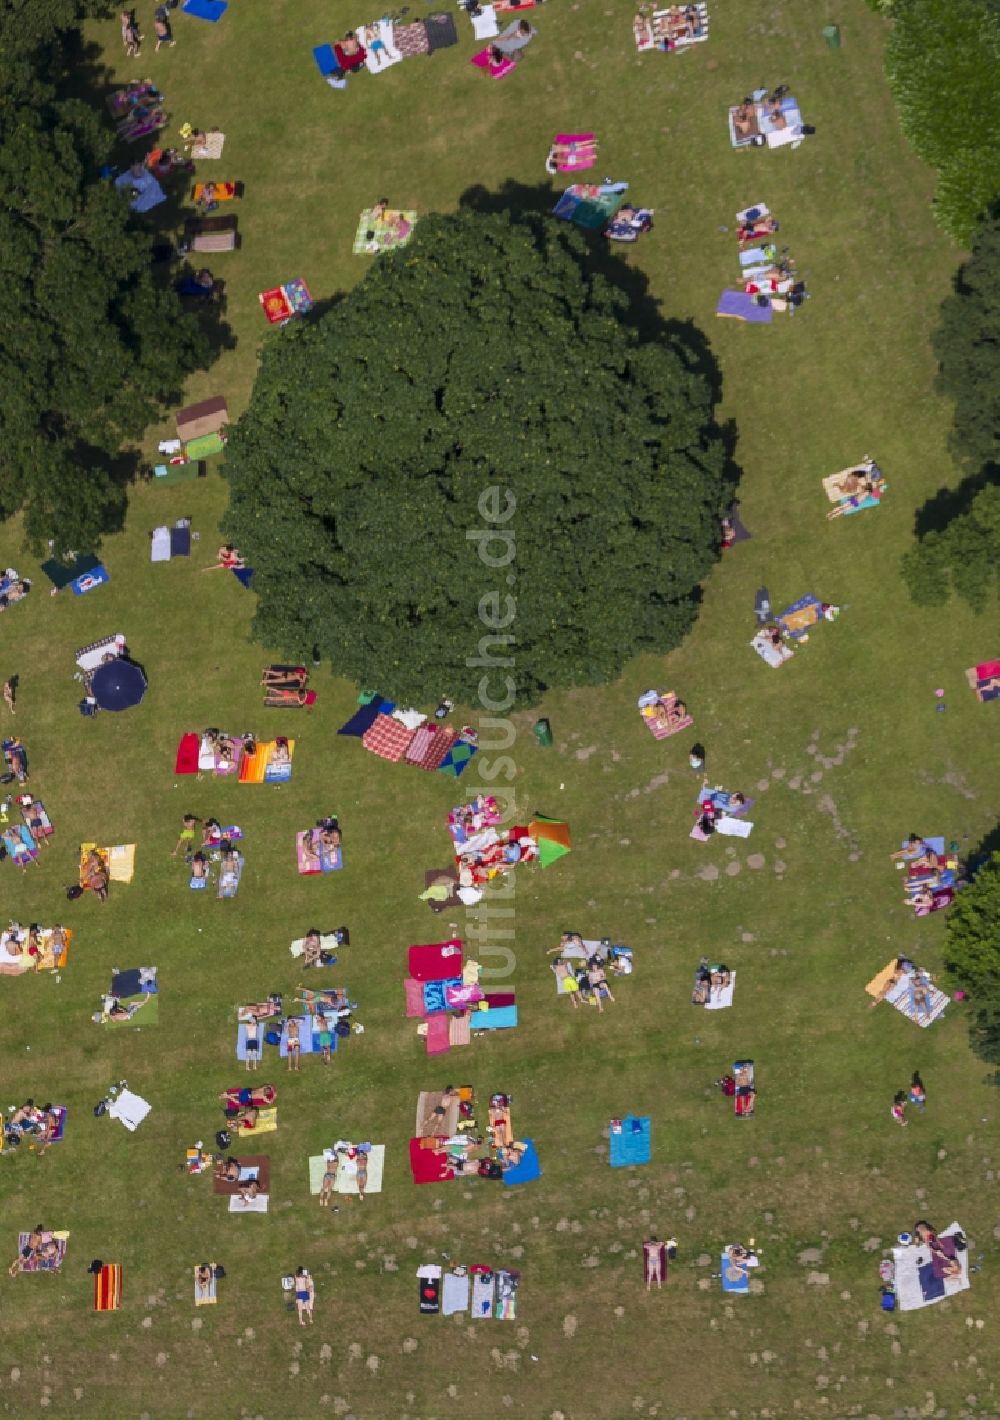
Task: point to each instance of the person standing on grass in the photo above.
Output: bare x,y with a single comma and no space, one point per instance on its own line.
918,1095
10,692
164,34
186,839
898,1110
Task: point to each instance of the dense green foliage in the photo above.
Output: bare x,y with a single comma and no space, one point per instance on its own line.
89,347
942,62
967,345
964,555
972,954
485,354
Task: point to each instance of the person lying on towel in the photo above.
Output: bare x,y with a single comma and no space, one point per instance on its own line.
751,232
629,223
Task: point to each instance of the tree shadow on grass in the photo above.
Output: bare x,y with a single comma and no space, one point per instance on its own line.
941,510
531,205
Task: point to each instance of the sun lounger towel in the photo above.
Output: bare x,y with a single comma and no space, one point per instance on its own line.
131,1109
436,961
483,1289
508,1281
920,1279
455,1293
504,1018
388,738
484,60
634,1144
429,1288
210,10
527,1170
249,1205
739,305
735,1275
38,1264
201,1300
429,1165
438,1036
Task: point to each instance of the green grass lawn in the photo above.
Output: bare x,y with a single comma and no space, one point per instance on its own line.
806,910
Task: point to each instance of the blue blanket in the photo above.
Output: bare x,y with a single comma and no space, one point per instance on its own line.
527,1170
634,1145
210,10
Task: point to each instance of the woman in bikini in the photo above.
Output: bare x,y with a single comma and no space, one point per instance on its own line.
305,1295
329,1182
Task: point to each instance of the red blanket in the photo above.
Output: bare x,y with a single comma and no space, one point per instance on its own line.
436,962
187,755
427,1164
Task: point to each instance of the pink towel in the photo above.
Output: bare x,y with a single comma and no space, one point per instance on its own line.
438,1039
414,997
459,1030
482,60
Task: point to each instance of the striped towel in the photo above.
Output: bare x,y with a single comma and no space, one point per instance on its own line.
108,1288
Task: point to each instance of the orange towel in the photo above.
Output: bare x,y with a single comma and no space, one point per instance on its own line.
108,1288
224,191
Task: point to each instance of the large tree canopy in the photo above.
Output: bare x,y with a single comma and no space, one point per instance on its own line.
485,355
942,63
963,555
972,954
89,346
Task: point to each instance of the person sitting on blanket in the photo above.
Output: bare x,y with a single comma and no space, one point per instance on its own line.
120,1011
744,118
94,875
945,1263
919,854
628,223
229,559
38,1239
281,754
329,828
350,55
598,982
312,949
249,1190
228,1170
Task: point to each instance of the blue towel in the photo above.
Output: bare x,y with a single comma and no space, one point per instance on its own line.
306,1038
87,581
364,718
434,994
501,1018
210,10
326,60
527,1170
632,1145
743,1283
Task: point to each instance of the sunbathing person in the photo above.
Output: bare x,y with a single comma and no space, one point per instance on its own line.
912,849
312,948
208,199
228,1170
744,119
229,559
294,1044
203,1278
361,1161
903,967
281,754
598,982
566,982
865,489
756,230
249,1190
121,1011
94,875
293,699
252,1043
329,1181
32,1248
199,868
237,1096
284,677
229,871
775,115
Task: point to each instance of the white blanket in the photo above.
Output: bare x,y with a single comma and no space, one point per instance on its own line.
455,1293
250,1205
130,1109
160,547
720,997
378,59
733,827
484,25
908,1262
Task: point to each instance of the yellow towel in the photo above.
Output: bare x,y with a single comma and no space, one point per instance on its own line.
121,863
267,1122
878,983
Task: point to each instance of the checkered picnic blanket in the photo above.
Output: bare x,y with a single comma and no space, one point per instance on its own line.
388,738
430,745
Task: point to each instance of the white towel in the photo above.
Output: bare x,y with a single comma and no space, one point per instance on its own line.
455,1293
130,1109
484,25
252,1205
160,546
733,827
720,997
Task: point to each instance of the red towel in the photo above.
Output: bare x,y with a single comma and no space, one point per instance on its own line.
497,999
108,1288
436,962
988,670
187,755
427,1165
